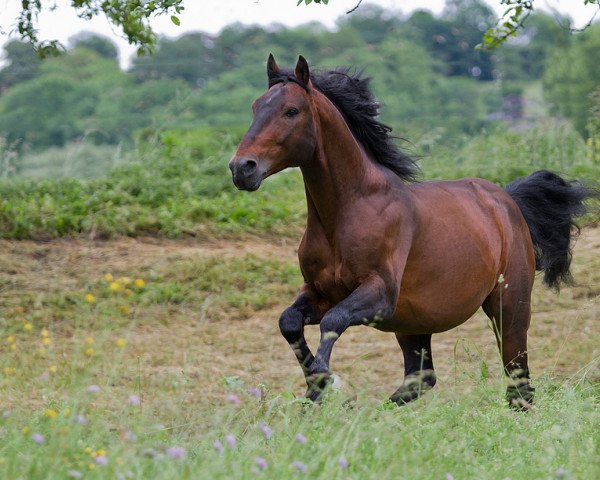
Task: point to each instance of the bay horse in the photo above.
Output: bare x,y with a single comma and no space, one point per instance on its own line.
385,250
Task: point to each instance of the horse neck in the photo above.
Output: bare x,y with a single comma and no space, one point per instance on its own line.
339,172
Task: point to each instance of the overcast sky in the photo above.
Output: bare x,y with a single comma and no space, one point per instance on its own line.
212,15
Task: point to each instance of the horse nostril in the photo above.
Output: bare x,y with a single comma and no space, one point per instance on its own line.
249,166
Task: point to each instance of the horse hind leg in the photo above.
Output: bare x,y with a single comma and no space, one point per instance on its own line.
509,309
419,374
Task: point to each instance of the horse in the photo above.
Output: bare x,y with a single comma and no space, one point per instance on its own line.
384,249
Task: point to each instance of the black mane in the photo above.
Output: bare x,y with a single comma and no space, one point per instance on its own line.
351,95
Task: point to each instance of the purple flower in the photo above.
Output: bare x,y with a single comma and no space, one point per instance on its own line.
74,474
93,389
218,446
129,436
80,419
267,432
101,460
300,438
6,413
301,467
134,400
255,392
261,463
231,441
38,438
232,398
44,377
561,473
176,453
449,476
343,462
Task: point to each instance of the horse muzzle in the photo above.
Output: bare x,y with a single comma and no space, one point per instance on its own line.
246,173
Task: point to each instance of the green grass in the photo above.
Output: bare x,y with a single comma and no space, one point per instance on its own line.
175,188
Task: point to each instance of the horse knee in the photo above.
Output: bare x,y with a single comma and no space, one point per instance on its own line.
291,325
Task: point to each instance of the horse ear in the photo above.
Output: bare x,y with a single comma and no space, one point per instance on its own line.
272,69
302,72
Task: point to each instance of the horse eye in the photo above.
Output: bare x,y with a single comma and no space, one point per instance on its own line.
291,112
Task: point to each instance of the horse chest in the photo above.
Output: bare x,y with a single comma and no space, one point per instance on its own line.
327,275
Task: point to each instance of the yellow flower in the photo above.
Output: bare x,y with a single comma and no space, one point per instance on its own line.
128,292
13,347
53,369
91,466
88,340
10,339
25,430
89,352
124,281
45,333
8,371
50,413
125,310
115,286
100,452
139,283
121,342
90,298
46,341
108,277
88,450
28,327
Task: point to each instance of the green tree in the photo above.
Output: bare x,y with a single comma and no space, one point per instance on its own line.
572,75
22,64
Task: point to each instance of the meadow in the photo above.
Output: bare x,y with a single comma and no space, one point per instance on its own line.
139,337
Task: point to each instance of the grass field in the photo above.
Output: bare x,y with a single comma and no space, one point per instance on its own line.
154,371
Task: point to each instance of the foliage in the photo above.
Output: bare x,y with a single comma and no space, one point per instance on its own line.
181,186
572,75
130,17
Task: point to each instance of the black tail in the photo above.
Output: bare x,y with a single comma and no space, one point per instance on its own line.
550,204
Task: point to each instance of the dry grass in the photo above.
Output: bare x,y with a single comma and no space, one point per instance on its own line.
202,339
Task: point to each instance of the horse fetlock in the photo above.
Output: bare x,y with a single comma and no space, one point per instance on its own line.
520,395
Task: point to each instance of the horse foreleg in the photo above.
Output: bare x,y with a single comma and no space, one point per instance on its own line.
369,303
419,375
291,324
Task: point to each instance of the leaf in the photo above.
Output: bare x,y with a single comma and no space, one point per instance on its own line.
175,20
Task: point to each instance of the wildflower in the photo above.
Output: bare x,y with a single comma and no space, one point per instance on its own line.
44,377
261,463
128,292
74,474
88,340
89,352
101,460
561,473
66,412
8,371
343,462
301,467
53,369
80,419
6,413
93,389
176,453
11,339
46,341
120,342
88,450
232,398
50,413
129,436
44,333
28,327
449,476
90,298
255,392
139,283
125,310
13,347
134,400
115,286
108,277
267,432
124,281
38,438
218,446
231,441
300,438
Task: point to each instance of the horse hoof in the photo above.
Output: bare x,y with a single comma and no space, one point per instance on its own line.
414,386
